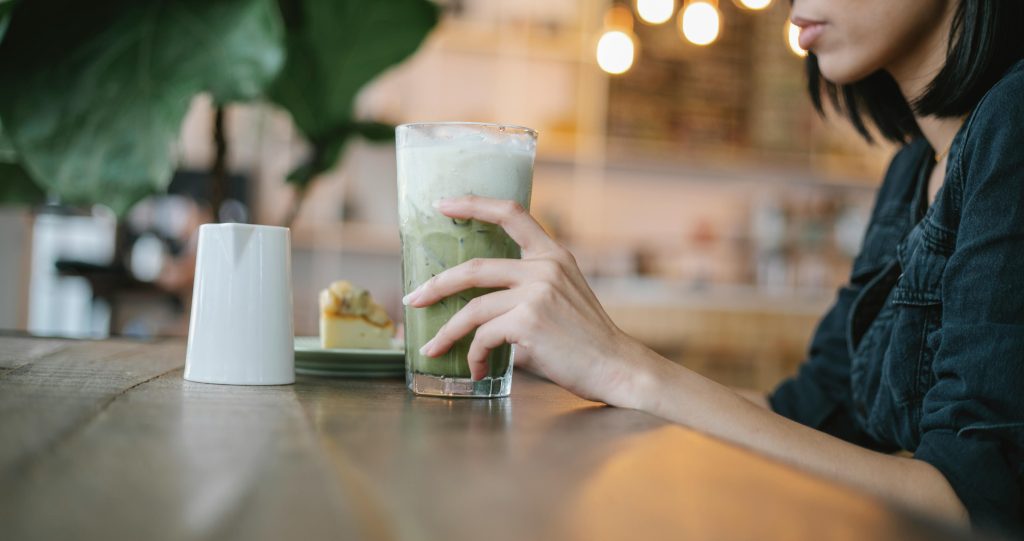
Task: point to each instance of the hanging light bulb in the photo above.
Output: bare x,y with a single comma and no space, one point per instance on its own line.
615,52
755,4
792,32
699,22
655,11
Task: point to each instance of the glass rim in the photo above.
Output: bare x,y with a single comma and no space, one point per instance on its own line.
223,225
493,125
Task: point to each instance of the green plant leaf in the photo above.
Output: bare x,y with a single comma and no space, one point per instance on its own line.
94,92
5,16
17,187
375,131
7,153
334,48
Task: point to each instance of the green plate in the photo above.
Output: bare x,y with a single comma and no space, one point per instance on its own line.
314,360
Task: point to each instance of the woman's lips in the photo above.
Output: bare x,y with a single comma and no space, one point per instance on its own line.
810,31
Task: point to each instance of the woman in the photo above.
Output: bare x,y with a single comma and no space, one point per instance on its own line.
922,351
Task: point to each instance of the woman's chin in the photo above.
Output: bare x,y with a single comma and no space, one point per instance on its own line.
841,71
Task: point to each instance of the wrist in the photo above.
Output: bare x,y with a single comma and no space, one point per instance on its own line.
642,383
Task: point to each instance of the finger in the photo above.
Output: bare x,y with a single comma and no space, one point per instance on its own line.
490,335
510,215
477,312
480,272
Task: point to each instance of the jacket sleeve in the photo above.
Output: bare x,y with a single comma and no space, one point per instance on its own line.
972,423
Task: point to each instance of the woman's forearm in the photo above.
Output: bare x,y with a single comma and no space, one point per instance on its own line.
681,395
758,398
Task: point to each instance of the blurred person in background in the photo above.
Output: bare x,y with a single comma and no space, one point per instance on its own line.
923,350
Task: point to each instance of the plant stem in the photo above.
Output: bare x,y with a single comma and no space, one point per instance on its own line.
219,169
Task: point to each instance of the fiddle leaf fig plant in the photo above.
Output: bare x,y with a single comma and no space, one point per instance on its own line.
5,16
92,94
16,186
95,93
334,48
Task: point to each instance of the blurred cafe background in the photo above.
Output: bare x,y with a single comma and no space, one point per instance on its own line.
679,157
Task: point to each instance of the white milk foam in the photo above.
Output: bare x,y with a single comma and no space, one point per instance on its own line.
431,171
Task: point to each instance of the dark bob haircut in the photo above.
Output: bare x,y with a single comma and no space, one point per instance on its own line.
986,40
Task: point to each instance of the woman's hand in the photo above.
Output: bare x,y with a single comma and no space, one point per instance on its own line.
543,306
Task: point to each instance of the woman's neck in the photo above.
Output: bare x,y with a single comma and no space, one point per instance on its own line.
914,71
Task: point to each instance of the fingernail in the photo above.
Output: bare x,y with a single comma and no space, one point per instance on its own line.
440,203
408,299
426,348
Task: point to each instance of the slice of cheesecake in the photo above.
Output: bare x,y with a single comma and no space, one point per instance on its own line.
350,318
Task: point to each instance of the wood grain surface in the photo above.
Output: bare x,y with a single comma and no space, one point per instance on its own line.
105,440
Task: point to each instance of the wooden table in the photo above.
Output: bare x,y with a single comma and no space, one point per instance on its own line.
105,440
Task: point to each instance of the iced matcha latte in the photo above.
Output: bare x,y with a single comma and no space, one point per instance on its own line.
443,160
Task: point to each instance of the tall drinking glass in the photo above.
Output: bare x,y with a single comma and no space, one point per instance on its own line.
443,160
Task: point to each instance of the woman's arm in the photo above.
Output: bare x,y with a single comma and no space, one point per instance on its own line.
757,398
544,306
675,393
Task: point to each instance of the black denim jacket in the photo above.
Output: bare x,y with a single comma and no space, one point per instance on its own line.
924,349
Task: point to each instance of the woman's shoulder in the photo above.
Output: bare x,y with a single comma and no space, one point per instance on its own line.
1001,110
1005,97
994,134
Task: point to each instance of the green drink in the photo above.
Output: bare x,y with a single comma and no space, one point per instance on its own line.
437,161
